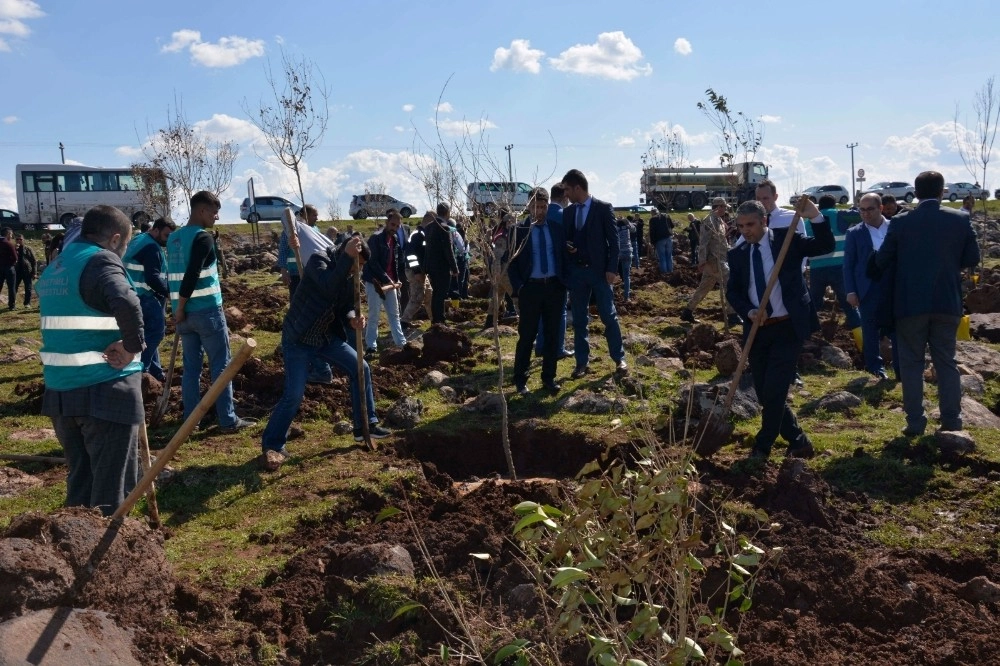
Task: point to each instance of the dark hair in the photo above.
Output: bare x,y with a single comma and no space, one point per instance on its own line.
309,208
575,177
928,185
539,193
205,198
162,222
145,226
102,222
888,199
826,201
751,207
768,183
558,191
443,209
392,212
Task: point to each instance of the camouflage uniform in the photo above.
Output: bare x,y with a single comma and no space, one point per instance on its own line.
712,250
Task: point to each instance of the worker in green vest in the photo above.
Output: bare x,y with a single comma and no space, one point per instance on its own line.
828,270
196,298
91,340
146,264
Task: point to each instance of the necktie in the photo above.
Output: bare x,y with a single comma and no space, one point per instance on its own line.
579,216
543,250
760,284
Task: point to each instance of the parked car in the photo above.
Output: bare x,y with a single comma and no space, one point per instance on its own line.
902,191
996,194
376,205
10,219
840,194
956,191
265,208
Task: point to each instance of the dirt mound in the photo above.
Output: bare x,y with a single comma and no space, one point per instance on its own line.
443,343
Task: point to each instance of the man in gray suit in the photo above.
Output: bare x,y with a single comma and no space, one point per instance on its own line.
926,250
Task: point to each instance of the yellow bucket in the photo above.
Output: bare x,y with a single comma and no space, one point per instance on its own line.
856,333
963,328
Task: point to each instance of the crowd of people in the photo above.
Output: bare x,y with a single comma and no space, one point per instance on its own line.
103,299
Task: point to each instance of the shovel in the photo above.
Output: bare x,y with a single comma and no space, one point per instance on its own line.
161,403
359,342
715,429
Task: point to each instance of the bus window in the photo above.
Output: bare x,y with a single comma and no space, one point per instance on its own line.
524,188
102,182
126,182
44,182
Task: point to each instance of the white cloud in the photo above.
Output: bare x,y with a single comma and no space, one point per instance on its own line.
408,108
13,14
682,46
614,56
660,130
399,128
222,127
625,141
227,52
770,119
10,120
520,57
445,107
463,127
129,152
8,198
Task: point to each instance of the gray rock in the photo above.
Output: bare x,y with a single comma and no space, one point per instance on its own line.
838,401
836,357
16,354
978,358
503,331
955,442
523,597
68,636
588,402
28,342
667,366
978,590
343,428
486,403
708,396
405,412
377,559
636,341
727,357
985,326
974,413
973,385
434,378
448,393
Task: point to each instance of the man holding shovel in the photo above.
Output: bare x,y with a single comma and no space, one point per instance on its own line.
146,265
787,319
91,341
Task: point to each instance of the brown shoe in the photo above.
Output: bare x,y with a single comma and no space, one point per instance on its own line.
271,460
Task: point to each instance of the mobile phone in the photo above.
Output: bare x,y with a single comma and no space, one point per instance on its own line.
569,245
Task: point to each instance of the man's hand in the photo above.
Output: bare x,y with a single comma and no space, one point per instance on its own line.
611,277
852,300
293,241
179,316
358,323
117,356
353,247
286,278
806,208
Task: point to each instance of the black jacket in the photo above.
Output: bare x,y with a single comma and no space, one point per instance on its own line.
413,253
439,252
324,297
25,262
376,268
660,227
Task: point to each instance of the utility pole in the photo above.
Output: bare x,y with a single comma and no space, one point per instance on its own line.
510,169
854,189
62,152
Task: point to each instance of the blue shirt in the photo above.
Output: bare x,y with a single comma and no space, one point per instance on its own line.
539,231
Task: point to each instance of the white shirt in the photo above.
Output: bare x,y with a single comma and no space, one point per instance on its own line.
878,234
778,308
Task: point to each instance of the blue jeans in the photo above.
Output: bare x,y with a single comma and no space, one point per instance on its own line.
833,277
635,253
375,304
625,270
584,282
297,357
153,326
205,332
560,334
665,254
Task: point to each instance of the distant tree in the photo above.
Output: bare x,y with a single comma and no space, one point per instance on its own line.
153,191
295,121
975,145
740,136
667,150
189,160
333,209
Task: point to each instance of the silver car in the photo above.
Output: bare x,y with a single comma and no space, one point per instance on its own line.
902,191
375,205
265,208
839,194
956,191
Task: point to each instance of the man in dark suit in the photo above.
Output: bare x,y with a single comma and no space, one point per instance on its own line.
860,242
592,262
537,276
925,251
789,319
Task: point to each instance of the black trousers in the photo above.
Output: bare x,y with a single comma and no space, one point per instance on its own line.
538,302
440,282
773,360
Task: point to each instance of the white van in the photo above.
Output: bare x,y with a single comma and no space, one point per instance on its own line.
491,197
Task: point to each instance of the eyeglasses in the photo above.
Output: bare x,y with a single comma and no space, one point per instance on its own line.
868,210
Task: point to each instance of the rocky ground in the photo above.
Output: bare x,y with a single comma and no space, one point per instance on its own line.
835,596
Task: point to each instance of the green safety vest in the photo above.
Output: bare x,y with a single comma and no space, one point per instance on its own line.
833,259
207,292
136,271
75,335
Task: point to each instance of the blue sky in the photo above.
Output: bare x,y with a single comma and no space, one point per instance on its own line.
571,85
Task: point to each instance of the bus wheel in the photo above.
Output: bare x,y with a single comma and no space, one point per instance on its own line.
64,220
140,218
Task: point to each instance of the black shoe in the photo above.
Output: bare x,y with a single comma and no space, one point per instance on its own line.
881,375
565,353
579,371
239,425
621,366
521,389
798,380
758,454
375,431
735,320
688,316
554,387
805,450
913,432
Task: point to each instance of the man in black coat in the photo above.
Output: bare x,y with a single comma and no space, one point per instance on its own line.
439,260
924,253
789,320
25,269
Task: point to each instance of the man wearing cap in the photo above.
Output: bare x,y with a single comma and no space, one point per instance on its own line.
146,265
592,263
712,261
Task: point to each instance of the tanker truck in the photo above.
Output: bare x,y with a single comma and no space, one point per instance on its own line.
684,188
